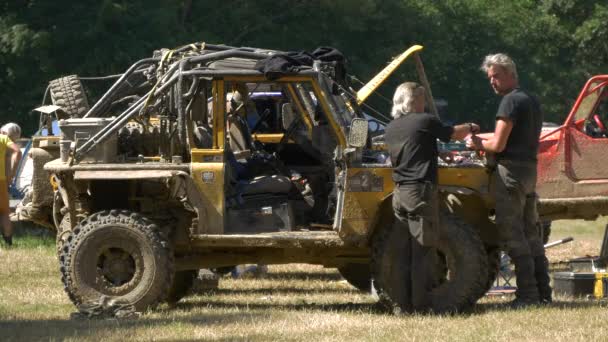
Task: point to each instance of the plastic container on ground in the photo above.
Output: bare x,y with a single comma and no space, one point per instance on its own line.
575,284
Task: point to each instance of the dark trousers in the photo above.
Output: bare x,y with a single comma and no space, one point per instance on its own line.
516,220
516,213
416,207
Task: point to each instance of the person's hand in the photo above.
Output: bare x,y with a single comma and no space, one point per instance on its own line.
474,128
474,143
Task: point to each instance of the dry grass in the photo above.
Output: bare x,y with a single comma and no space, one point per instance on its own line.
587,236
294,302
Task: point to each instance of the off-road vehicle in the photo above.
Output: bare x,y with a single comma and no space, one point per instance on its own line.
155,184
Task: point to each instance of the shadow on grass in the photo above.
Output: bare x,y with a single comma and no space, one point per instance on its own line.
55,329
283,291
375,308
301,305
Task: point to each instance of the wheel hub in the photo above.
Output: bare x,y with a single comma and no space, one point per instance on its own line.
116,266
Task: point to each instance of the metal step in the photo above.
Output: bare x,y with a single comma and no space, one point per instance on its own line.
291,239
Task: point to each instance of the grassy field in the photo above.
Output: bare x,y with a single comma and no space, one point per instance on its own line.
587,236
293,302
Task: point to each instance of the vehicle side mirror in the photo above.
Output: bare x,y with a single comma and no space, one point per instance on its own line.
287,115
357,137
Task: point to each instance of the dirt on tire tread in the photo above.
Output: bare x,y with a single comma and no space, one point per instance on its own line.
68,93
448,297
148,227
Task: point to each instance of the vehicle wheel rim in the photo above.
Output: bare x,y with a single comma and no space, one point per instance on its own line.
116,266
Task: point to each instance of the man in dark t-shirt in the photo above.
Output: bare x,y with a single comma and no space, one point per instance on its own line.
412,143
515,145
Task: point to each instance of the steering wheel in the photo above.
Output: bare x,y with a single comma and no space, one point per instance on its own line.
598,129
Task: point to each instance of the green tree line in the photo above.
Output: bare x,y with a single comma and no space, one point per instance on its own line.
557,44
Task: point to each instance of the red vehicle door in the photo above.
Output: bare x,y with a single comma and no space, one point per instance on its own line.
572,158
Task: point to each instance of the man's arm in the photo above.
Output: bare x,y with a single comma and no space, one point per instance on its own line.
15,152
498,141
461,131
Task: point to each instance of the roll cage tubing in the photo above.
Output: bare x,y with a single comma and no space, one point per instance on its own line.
603,79
170,78
570,118
147,61
218,52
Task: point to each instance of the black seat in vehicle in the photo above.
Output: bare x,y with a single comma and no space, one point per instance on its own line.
275,184
243,182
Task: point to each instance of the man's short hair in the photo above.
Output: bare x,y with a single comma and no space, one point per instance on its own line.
404,98
499,59
12,130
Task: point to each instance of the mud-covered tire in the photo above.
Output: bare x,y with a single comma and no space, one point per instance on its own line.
62,234
358,275
462,274
467,266
118,254
181,286
68,93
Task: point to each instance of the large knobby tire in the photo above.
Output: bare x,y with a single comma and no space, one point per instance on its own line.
118,254
461,271
181,286
63,231
358,275
68,93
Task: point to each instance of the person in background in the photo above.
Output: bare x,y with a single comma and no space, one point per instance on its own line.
11,153
515,146
12,130
411,138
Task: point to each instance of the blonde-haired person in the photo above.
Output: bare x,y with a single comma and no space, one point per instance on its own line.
8,163
12,130
515,145
411,138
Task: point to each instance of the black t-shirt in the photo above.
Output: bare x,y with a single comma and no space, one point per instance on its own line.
525,113
412,144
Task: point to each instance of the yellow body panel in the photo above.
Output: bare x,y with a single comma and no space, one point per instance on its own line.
219,108
475,178
361,204
375,82
272,138
208,172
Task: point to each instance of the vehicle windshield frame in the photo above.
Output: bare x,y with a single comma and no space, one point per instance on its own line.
341,111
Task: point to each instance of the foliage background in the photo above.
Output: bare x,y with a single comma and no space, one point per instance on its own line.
557,44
